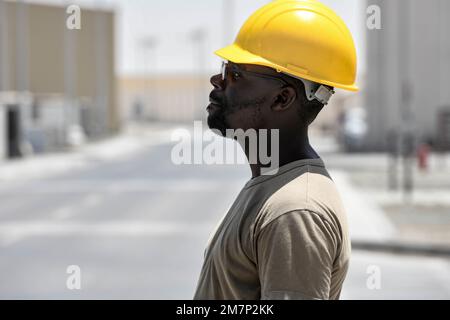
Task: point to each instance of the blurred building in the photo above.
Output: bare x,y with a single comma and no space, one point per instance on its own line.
167,98
408,71
56,83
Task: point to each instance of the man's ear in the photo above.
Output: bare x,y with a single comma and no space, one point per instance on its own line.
284,99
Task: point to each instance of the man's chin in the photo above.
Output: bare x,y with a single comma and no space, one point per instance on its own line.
216,125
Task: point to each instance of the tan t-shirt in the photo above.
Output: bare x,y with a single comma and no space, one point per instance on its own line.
285,237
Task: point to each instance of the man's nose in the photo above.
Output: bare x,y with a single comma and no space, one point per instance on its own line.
217,81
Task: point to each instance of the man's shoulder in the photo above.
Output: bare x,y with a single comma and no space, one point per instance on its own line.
309,193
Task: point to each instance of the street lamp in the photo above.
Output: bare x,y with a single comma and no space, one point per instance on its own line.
4,65
406,114
228,9
198,38
148,45
70,78
22,47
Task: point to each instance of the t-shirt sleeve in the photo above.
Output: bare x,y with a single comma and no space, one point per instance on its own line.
295,255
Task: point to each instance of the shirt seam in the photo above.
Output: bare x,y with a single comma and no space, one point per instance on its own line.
321,217
292,211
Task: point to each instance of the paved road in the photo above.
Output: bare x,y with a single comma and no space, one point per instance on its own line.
137,227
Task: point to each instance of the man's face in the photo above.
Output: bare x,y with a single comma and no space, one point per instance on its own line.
241,100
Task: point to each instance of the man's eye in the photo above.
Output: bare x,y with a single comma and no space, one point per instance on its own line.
236,75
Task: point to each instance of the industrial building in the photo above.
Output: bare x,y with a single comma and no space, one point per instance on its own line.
55,82
408,74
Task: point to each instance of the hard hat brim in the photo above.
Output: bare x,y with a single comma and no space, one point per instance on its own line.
236,54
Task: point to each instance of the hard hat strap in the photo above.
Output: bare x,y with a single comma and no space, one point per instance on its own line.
323,94
316,91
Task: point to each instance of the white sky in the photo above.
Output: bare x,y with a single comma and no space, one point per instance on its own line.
172,21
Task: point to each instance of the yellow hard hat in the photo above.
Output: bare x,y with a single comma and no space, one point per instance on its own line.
302,38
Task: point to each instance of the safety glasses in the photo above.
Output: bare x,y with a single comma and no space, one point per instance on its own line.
314,91
235,72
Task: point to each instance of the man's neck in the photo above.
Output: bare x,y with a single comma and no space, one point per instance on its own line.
290,150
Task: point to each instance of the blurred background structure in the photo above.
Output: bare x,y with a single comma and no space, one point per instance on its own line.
58,85
86,121
407,75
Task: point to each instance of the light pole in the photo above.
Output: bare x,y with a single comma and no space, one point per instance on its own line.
406,114
22,47
4,65
70,67
102,55
228,9
198,38
148,46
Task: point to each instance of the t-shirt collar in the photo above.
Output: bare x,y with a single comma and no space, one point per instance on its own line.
283,169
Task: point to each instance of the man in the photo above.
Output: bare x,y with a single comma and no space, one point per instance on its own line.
286,235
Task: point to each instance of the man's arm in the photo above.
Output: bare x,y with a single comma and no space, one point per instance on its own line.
295,255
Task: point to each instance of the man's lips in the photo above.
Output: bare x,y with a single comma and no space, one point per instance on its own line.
213,105
214,98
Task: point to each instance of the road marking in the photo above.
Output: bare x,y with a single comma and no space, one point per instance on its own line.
68,211
93,200
121,186
16,231
64,212
114,149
